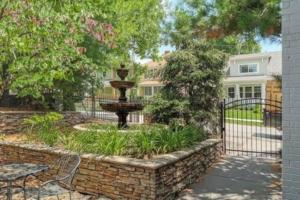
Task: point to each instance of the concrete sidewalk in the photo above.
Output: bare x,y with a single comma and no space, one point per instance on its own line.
238,178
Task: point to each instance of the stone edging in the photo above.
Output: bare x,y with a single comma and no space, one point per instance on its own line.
119,177
155,163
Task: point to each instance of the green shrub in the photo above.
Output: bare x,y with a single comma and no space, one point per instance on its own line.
111,143
46,121
49,137
164,140
44,126
143,141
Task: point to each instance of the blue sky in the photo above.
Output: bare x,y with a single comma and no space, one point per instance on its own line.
266,46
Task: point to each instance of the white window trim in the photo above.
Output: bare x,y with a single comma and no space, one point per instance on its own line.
253,92
227,93
145,91
152,90
247,73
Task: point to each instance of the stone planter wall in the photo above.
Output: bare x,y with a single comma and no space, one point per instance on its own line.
12,121
126,178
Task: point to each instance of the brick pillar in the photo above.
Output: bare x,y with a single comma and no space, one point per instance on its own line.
291,99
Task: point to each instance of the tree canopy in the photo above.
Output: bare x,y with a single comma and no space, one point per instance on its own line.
61,47
234,26
193,85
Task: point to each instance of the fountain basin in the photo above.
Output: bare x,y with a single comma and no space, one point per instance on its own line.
122,84
121,106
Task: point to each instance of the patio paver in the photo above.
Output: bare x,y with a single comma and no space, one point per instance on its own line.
238,178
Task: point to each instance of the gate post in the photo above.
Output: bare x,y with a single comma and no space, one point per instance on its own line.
222,124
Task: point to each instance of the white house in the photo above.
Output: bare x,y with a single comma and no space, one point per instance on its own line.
251,75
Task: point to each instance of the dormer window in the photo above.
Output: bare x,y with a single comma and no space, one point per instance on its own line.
248,68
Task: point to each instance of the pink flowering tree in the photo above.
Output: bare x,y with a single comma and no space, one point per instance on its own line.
51,51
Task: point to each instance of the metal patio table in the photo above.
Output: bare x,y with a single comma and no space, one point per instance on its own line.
10,173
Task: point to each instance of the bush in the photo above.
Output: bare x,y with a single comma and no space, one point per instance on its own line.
164,140
193,86
44,126
138,142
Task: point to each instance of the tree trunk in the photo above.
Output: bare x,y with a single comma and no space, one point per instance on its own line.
5,77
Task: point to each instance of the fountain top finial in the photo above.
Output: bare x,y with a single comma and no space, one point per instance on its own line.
122,72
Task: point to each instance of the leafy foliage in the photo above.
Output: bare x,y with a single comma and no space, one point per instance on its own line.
44,125
219,18
55,50
278,79
246,16
232,26
193,85
143,142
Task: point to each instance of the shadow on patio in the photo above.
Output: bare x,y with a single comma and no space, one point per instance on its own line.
238,178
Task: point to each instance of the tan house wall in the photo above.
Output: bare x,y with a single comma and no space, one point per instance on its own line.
274,93
273,90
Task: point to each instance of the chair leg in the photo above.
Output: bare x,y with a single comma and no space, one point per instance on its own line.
39,195
24,189
70,195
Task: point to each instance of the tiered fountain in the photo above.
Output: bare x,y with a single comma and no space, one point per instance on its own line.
123,107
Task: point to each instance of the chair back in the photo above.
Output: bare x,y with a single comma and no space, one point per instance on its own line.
66,167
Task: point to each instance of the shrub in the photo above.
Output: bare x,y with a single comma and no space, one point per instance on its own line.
164,140
193,86
144,140
46,121
44,126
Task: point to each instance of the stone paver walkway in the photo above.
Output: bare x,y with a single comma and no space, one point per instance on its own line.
238,178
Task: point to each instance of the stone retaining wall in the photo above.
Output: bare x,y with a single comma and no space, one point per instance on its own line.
12,121
126,178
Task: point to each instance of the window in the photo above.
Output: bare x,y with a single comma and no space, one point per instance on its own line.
248,68
248,92
231,92
257,92
148,91
241,92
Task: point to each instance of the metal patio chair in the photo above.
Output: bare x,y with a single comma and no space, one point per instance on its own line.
65,169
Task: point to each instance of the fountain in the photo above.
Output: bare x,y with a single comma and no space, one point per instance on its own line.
122,108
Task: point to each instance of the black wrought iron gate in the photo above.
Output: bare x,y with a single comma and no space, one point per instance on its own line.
252,127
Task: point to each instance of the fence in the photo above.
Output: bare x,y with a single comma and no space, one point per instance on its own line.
91,108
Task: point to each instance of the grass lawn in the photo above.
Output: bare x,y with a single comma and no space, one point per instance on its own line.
251,116
244,114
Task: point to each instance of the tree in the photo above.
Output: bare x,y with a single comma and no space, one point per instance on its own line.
233,26
58,49
246,16
193,85
278,79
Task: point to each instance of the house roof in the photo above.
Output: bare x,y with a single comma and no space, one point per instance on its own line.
157,64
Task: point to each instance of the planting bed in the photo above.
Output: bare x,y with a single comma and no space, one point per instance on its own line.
119,177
